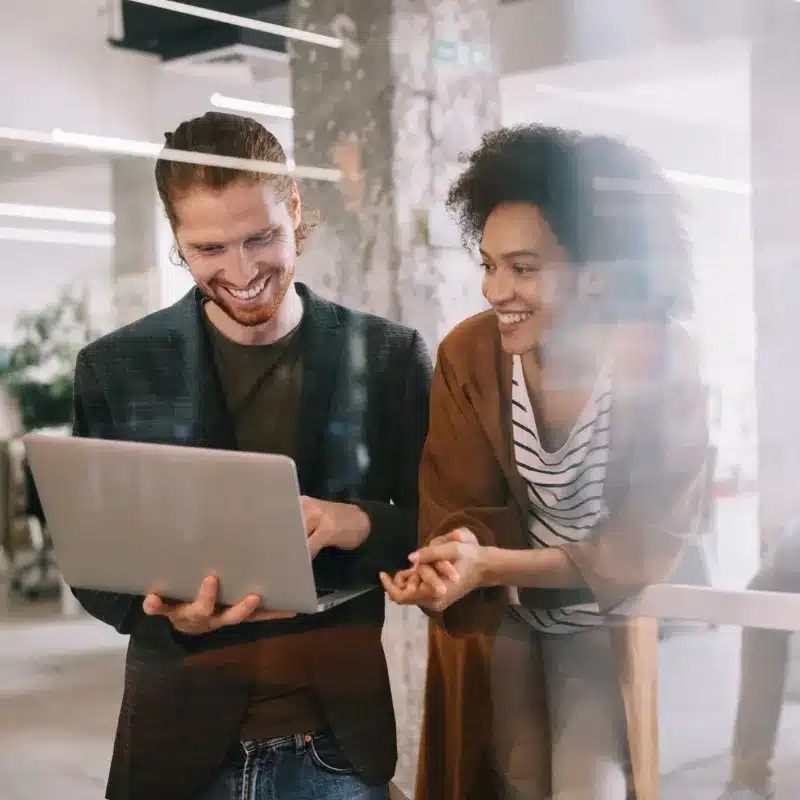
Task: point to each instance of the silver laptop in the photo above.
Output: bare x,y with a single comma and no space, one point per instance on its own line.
131,517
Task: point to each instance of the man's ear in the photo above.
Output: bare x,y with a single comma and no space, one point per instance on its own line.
295,207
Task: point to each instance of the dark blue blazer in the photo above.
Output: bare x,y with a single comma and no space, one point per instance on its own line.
362,425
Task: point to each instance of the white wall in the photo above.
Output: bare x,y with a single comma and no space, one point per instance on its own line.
179,97
688,106
33,275
56,70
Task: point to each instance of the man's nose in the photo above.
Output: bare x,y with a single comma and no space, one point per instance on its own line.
243,267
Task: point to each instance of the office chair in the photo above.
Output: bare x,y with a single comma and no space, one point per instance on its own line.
34,575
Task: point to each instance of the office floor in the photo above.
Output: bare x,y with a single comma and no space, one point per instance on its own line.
60,689
60,686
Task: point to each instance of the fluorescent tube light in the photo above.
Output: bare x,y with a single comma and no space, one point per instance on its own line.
80,215
709,182
153,150
20,135
41,236
108,144
243,22
251,106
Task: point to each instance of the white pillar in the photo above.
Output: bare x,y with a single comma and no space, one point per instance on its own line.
174,279
144,274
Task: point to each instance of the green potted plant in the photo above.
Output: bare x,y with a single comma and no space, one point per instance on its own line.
39,367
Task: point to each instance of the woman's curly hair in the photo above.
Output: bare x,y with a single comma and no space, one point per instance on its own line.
606,203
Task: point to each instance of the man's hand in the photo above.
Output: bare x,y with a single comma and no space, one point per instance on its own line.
330,524
447,569
202,615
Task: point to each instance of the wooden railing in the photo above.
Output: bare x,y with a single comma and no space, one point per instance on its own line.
743,608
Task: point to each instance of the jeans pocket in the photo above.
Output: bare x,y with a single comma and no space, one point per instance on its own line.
326,754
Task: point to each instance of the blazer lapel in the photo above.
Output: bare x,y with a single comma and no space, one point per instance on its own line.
321,344
210,425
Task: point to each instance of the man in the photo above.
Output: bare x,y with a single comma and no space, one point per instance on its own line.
221,701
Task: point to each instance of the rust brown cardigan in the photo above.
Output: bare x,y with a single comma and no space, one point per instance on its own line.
655,488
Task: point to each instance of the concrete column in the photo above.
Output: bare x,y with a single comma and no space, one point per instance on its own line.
414,85
143,276
775,169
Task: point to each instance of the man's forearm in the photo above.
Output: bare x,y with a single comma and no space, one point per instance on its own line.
546,568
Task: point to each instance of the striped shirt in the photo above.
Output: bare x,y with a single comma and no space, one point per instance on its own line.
565,487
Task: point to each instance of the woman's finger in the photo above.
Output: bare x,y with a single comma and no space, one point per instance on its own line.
447,570
431,581
450,551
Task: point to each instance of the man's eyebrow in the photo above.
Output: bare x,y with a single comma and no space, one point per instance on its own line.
268,229
263,232
201,245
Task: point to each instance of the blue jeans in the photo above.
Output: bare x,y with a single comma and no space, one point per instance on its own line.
310,767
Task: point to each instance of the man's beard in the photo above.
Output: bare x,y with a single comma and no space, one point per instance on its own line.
278,286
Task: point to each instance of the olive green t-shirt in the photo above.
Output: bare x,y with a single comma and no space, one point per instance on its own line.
262,386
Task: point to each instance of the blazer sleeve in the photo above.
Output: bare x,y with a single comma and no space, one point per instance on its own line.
461,484
665,484
393,534
90,416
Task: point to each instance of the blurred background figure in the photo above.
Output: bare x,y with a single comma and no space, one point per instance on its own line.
765,664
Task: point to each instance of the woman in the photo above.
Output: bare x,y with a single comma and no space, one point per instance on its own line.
563,472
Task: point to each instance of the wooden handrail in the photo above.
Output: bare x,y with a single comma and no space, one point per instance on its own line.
743,607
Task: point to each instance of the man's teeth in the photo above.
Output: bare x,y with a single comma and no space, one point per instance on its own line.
249,294
511,319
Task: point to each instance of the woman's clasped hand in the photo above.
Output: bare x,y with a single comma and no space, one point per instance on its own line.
448,568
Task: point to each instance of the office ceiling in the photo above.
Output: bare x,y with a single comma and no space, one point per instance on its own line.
172,35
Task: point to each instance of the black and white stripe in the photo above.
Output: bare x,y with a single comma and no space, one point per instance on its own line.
565,487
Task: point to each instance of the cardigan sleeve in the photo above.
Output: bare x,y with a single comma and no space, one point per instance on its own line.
461,484
662,487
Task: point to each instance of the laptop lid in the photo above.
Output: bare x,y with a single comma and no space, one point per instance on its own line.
132,517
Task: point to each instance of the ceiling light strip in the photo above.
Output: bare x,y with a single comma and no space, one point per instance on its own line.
20,135
243,22
251,106
56,214
152,150
106,144
709,182
41,236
